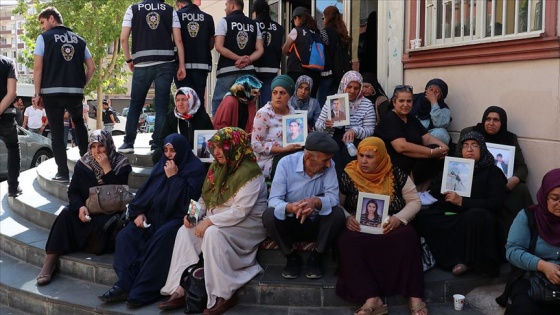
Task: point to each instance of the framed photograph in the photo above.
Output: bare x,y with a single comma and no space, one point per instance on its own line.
504,157
457,176
372,211
338,109
294,129
201,149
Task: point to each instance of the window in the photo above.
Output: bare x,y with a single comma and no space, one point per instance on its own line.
449,22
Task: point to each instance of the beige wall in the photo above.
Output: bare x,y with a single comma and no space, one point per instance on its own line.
530,93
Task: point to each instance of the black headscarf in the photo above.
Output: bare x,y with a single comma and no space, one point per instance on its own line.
421,107
486,158
503,136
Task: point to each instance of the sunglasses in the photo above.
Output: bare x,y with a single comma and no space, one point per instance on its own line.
403,87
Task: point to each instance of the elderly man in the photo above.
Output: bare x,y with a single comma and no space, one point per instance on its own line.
303,204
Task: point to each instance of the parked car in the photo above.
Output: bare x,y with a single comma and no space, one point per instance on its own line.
34,148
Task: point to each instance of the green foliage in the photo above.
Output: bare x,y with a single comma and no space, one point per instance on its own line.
99,23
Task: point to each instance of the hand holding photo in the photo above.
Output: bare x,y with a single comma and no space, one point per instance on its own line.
457,176
504,156
294,129
201,149
339,109
372,211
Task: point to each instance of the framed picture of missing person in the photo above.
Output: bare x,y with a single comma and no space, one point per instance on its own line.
338,109
201,149
457,176
372,211
294,129
504,157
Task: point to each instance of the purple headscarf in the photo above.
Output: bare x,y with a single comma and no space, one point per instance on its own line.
548,224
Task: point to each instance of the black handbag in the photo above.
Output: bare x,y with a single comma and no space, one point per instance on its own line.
192,280
542,290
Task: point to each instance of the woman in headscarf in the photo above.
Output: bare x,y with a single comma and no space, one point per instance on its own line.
463,232
362,119
234,197
364,274
187,116
545,257
266,138
238,108
75,229
494,128
430,108
373,91
302,100
145,245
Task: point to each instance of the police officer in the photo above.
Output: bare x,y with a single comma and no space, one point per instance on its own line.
151,23
239,42
268,66
8,129
60,79
197,31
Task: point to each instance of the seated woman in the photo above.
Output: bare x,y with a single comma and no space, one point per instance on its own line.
238,108
302,100
145,245
74,228
362,119
411,147
364,273
234,197
430,108
187,116
463,232
545,257
266,138
376,95
494,128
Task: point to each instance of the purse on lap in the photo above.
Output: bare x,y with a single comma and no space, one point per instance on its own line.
108,199
541,290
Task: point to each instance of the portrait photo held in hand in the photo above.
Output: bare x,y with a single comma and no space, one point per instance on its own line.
457,176
504,157
294,129
373,211
200,148
339,109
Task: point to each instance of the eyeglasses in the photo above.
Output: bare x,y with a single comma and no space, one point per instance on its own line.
404,87
470,146
553,198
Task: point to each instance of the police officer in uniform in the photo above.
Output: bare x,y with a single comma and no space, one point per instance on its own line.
8,129
239,42
60,79
197,31
268,66
151,23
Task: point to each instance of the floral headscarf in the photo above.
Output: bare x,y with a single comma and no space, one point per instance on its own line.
245,88
486,158
194,103
380,181
117,160
224,180
352,76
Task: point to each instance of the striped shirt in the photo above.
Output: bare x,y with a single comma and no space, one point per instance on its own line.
362,119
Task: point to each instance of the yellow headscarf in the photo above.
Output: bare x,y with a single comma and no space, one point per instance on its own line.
380,181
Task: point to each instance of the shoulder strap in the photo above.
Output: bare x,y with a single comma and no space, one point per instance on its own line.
531,222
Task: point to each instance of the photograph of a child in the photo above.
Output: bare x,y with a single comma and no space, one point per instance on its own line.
457,176
201,149
372,212
504,156
294,129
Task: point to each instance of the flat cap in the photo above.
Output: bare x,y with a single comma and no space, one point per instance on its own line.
321,142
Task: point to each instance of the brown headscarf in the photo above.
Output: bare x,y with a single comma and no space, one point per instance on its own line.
380,181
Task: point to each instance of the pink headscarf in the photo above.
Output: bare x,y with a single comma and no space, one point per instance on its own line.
548,224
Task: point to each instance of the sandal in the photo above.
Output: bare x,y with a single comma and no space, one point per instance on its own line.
460,269
420,307
381,310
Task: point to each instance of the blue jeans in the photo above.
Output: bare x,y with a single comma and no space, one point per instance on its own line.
327,87
223,84
9,134
196,80
142,77
266,90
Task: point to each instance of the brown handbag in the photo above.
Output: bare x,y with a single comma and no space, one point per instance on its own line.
108,199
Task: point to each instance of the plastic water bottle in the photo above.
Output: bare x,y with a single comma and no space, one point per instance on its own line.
351,149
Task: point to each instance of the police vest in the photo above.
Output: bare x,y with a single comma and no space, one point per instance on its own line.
197,28
63,62
152,27
272,36
241,38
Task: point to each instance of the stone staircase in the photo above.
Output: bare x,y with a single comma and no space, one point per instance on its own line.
24,228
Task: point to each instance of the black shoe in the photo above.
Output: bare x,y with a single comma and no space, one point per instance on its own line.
115,294
14,193
126,148
314,268
293,263
135,303
61,178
